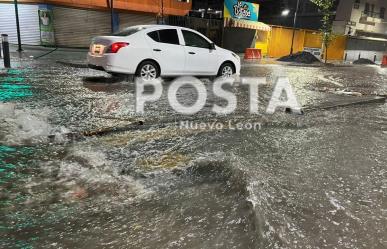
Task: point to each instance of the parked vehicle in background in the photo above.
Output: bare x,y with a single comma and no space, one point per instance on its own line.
150,51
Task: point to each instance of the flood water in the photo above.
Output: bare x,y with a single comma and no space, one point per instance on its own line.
316,180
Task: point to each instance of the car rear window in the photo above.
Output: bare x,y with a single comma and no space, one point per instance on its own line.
165,36
154,35
128,31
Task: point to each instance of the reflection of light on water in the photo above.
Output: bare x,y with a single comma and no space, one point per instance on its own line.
14,91
9,163
13,87
16,71
13,170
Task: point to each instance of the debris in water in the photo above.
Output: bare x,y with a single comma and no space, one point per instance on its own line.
300,57
167,160
363,61
345,92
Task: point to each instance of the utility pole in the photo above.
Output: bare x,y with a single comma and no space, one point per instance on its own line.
17,26
162,11
294,26
111,16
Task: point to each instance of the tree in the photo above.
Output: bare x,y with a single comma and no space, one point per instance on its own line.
326,7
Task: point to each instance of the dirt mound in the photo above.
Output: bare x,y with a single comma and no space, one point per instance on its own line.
300,57
363,61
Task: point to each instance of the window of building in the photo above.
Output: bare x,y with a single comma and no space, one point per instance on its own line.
195,40
382,12
165,36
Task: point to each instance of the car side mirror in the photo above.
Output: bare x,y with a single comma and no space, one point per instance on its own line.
212,46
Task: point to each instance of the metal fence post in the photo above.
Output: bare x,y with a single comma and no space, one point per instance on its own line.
5,44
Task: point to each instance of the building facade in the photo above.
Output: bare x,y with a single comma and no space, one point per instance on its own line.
365,24
71,23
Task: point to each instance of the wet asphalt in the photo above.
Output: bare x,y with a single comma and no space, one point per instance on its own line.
80,169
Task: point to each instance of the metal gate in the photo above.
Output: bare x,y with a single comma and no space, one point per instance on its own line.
76,27
366,44
29,23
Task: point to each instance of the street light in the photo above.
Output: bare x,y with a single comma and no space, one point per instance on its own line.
294,26
285,12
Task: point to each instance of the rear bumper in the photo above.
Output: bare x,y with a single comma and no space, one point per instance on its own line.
111,63
100,68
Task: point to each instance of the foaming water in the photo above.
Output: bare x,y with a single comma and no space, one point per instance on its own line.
27,126
81,191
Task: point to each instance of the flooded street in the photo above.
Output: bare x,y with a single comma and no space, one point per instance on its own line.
80,169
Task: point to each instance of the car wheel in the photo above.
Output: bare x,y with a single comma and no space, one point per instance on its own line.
226,70
148,70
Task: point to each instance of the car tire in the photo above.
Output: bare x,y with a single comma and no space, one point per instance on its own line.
227,69
148,70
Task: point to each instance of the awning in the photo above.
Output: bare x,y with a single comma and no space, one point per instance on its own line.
240,23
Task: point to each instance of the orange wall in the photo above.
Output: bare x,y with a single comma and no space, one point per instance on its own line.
171,7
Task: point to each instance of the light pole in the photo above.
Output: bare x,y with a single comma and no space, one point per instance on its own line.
17,26
162,11
284,13
111,16
294,26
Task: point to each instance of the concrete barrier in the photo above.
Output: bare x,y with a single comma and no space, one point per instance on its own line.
384,61
253,54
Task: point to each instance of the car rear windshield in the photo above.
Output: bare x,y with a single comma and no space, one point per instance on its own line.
128,31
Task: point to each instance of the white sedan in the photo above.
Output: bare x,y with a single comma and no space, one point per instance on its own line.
151,51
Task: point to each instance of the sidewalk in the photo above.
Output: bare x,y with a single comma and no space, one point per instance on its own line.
45,54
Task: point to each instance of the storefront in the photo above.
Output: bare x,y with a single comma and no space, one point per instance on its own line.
76,27
75,24
241,27
29,23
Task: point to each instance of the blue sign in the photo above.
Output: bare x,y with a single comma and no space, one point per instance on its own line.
241,10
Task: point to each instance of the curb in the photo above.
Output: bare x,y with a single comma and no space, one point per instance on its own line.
70,64
357,101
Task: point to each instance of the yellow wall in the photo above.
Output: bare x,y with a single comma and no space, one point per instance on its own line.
261,41
336,48
280,39
313,39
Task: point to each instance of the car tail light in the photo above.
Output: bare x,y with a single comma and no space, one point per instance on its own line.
116,46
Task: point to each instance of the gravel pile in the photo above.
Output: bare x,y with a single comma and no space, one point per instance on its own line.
300,57
363,61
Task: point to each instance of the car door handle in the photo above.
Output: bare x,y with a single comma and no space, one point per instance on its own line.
157,49
191,52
